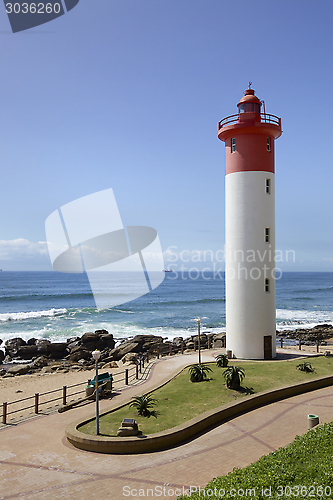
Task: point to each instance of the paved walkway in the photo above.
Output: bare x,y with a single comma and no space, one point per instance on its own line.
37,463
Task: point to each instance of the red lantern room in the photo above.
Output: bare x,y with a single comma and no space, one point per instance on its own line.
249,135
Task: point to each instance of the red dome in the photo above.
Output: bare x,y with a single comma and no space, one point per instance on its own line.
249,97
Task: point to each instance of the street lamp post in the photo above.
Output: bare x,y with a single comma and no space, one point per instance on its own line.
96,355
199,321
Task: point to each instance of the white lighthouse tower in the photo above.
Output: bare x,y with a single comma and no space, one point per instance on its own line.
250,228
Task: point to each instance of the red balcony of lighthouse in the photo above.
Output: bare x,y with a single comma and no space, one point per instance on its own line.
249,119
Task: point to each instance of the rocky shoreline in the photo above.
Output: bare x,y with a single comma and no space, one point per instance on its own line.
43,356
309,336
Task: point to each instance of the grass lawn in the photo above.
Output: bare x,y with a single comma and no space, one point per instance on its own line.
180,400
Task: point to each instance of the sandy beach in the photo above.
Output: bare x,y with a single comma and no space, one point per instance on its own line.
26,386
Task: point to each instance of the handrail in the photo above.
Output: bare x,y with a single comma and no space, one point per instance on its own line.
169,349
264,118
36,397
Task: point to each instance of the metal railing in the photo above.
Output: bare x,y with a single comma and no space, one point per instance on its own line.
129,376
264,118
37,400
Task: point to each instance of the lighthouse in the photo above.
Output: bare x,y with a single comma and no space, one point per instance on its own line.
249,138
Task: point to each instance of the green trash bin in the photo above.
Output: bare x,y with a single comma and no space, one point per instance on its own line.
313,420
90,389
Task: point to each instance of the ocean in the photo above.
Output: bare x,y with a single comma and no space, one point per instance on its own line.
58,306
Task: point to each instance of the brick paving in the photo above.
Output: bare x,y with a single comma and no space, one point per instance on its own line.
37,463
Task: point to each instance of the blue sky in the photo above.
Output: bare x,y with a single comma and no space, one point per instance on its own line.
127,94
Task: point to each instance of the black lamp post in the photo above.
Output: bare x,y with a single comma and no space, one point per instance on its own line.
199,321
96,355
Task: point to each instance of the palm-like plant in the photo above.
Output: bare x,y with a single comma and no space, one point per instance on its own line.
144,405
233,376
222,360
198,372
305,367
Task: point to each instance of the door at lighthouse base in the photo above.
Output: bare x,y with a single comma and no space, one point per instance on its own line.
268,347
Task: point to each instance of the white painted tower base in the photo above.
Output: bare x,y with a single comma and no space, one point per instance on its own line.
250,308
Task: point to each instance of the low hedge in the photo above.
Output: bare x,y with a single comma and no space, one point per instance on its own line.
303,469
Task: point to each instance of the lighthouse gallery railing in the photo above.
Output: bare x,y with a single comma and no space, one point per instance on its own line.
264,118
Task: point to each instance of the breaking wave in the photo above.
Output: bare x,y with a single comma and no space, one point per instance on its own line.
31,315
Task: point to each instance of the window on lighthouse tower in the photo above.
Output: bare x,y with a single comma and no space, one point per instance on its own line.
269,144
233,144
267,235
268,186
267,285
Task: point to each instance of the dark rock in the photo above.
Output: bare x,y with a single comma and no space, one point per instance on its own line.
42,345
319,333
130,357
42,342
62,369
47,369
92,341
2,372
107,339
12,345
82,362
148,339
73,339
178,341
219,336
79,353
110,364
73,344
15,343
2,356
40,362
103,332
203,338
18,369
92,346
108,359
57,347
32,341
120,351
26,352
89,337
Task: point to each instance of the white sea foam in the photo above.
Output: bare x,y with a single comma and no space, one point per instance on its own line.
289,319
31,314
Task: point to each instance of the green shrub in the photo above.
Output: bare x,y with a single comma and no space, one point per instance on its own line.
144,405
233,376
305,367
222,360
198,372
306,463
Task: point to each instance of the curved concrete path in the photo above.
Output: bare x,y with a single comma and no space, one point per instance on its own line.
37,463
